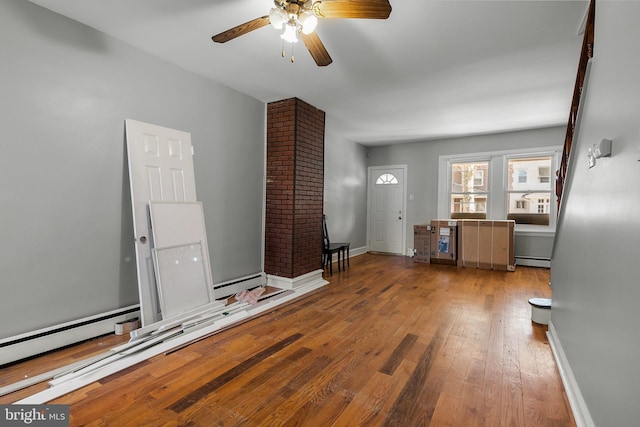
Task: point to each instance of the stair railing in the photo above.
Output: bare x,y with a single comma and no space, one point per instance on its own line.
586,54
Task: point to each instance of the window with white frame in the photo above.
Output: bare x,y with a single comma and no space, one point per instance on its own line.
528,199
522,176
500,185
469,190
544,174
478,178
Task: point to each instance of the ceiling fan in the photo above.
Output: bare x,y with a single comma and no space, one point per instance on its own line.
300,17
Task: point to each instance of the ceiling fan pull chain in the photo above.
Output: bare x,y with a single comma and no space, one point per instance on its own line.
293,58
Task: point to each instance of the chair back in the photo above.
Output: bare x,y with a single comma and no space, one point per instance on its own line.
325,233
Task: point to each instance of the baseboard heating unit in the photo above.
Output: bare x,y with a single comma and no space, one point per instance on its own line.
530,261
40,341
46,339
232,287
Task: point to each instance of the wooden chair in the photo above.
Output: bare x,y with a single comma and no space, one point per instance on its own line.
328,249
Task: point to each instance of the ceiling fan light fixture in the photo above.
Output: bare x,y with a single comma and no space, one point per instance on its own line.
290,32
299,18
277,18
308,21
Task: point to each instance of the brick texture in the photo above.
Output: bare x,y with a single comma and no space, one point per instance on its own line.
295,188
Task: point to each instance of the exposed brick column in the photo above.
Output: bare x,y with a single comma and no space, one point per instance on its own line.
295,188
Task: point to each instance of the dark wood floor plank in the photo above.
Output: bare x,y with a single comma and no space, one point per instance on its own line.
376,397
231,374
409,406
398,354
232,406
293,395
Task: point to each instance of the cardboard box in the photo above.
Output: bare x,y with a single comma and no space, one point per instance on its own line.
444,241
422,243
503,253
487,244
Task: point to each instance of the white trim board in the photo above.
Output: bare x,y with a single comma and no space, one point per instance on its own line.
356,252
576,401
45,376
311,278
66,385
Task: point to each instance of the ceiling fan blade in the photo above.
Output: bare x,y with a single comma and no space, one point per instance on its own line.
241,30
316,49
370,9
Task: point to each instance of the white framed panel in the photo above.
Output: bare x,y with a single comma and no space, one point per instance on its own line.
181,278
179,224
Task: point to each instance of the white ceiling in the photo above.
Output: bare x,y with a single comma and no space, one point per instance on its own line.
434,69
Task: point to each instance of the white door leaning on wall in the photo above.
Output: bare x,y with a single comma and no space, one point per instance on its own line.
160,169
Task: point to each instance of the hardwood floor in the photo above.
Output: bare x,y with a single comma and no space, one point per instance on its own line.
389,342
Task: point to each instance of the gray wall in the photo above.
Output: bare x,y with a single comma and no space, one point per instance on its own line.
345,188
595,274
422,159
66,240
534,246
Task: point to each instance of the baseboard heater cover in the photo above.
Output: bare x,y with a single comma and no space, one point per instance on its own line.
232,287
40,341
530,261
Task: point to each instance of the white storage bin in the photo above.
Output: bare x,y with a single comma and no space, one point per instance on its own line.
540,310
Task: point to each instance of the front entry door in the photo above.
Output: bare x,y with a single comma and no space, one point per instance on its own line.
386,209
160,169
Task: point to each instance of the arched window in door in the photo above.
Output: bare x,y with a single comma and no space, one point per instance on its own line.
386,179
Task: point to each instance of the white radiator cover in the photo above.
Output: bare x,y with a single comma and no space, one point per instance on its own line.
53,337
46,339
528,261
232,287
